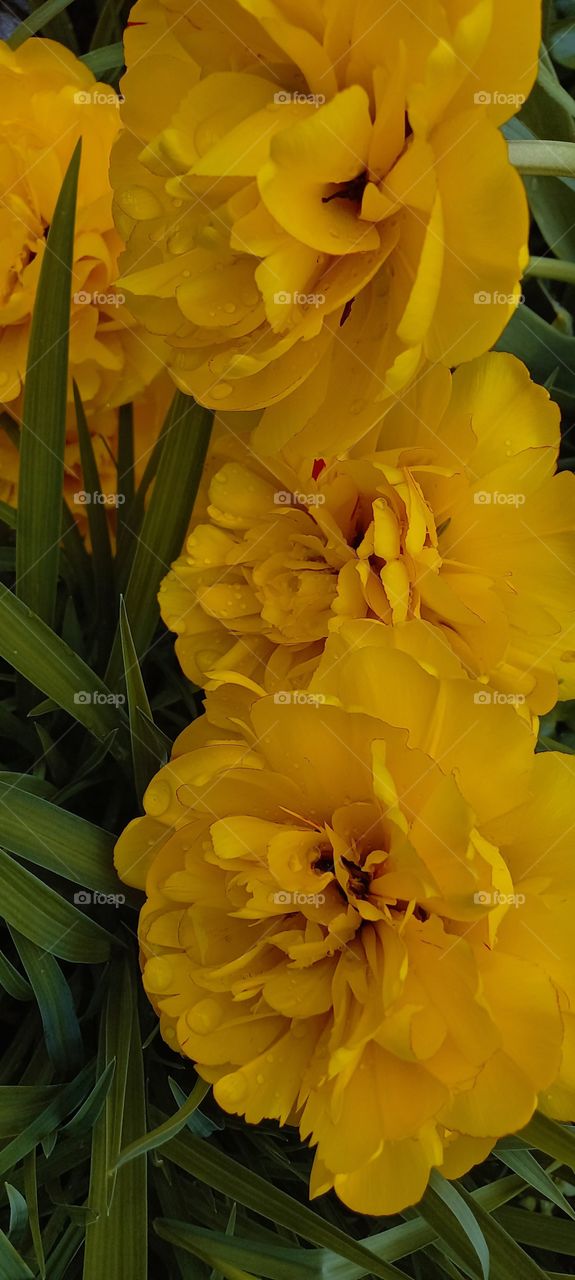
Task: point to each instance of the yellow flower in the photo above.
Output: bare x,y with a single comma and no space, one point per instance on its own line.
455,518
48,100
358,918
317,196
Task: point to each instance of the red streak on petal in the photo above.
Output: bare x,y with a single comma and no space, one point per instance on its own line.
317,468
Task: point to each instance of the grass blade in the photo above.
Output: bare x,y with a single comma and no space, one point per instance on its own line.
57,1011
43,436
12,1266
102,561
183,449
170,1128
109,57
456,1224
222,1173
36,21
41,832
116,1242
148,744
47,919
33,649
554,1139
31,1193
66,1100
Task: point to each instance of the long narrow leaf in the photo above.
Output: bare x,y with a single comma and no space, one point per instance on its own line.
36,21
160,539
33,649
61,1027
148,745
44,412
47,835
47,919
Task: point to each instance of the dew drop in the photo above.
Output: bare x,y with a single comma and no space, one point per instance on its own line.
222,391
233,1088
205,1016
158,798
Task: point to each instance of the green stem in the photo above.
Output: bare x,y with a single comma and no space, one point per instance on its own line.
551,269
546,159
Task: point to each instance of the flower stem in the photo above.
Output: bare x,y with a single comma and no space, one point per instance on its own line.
551,269
547,159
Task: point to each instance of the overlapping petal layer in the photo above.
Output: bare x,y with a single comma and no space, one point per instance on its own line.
48,100
455,518
348,914
318,196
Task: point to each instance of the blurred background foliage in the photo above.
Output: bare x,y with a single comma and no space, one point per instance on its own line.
115,1163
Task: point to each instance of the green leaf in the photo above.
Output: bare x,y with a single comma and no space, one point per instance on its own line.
12,1266
109,24
116,1242
102,561
59,27
523,1163
44,917
506,1257
12,981
18,1216
43,433
36,21
456,1223
539,1231
33,649
556,159
183,449
8,515
31,1193
108,58
20,1104
65,1100
548,353
124,475
170,1128
90,1111
61,1028
61,842
562,46
246,1187
235,1257
554,1139
148,744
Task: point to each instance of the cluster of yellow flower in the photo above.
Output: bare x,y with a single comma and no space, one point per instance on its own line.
358,873
357,870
